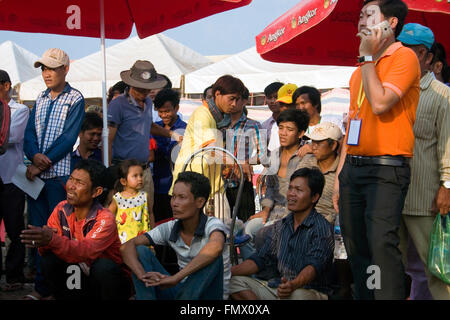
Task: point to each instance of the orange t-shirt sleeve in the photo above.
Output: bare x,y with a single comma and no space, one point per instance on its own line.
404,71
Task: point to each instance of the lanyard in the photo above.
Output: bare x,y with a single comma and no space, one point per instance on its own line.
360,100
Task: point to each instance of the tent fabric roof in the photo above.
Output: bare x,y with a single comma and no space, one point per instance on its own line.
18,62
167,55
257,73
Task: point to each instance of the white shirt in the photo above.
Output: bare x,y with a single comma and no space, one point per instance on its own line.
274,141
168,234
14,154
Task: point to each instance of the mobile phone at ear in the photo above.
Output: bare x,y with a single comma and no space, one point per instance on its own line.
386,30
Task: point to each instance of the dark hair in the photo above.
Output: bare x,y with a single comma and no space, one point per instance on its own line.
393,8
167,95
316,180
331,142
96,170
124,166
439,55
168,84
91,121
119,87
246,94
313,95
205,92
200,186
272,88
299,117
228,85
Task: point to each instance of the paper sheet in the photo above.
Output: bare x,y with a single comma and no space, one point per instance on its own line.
32,188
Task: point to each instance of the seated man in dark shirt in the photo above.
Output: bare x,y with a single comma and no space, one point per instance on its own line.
90,137
300,245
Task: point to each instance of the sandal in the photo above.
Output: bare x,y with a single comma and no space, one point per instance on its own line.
30,297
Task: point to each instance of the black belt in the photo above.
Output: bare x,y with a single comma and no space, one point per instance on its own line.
393,161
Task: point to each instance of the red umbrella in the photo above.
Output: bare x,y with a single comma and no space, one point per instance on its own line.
323,32
82,17
111,19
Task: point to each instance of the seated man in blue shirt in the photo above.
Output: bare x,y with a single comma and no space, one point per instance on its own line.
90,137
198,240
300,245
167,104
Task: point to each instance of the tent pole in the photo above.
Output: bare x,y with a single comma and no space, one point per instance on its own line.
105,110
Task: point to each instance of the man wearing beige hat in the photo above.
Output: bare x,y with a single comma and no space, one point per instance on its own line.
130,120
51,132
325,138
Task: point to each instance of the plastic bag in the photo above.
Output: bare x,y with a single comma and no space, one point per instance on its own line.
439,252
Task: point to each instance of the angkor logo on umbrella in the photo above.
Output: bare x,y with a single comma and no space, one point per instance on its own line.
263,40
294,23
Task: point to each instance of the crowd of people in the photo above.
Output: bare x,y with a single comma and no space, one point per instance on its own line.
380,176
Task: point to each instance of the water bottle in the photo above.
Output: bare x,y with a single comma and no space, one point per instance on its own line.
339,248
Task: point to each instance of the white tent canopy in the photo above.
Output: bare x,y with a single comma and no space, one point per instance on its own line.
168,56
257,73
18,62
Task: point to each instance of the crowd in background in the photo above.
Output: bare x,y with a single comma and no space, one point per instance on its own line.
338,196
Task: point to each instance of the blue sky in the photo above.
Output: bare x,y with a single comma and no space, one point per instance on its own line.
224,33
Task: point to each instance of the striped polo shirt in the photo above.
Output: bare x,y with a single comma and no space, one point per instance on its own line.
169,234
312,243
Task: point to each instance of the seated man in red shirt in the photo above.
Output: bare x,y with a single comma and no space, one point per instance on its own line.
80,243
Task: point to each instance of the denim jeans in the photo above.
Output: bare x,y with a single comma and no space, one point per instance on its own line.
40,210
204,284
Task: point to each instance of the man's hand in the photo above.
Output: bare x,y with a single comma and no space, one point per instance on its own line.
36,236
285,288
264,214
177,137
304,150
153,279
371,43
32,171
441,202
248,171
336,195
42,161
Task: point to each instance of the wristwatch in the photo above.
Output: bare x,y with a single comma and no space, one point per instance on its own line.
364,59
446,184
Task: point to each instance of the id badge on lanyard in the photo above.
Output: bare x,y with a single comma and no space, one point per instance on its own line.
354,130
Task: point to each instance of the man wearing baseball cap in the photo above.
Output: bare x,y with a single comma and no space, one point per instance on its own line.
429,190
51,132
130,121
325,138
285,101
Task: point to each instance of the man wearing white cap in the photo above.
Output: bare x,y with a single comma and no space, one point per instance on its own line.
325,145
51,132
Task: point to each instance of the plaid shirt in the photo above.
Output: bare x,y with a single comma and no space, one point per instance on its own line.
246,140
53,128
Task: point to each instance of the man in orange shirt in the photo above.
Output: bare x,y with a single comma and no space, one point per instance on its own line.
374,173
80,243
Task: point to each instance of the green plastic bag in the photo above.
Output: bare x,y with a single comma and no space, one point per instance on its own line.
439,252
